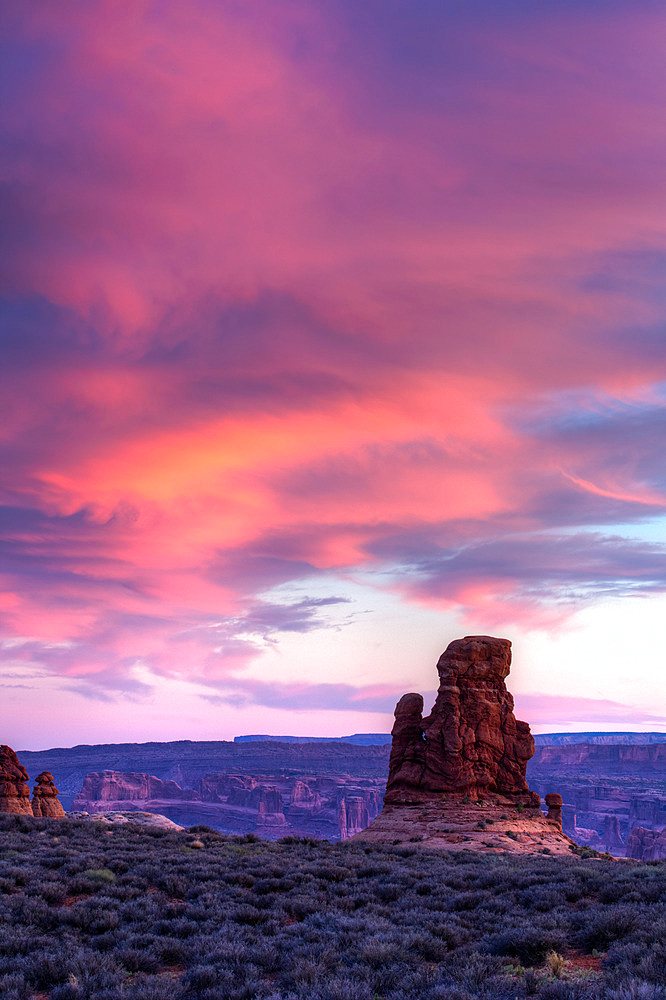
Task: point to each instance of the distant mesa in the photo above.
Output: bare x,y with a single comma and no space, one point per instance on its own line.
358,739
457,777
540,739
598,738
15,793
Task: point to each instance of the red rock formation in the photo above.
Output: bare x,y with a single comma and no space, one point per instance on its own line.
45,797
220,787
268,803
14,792
554,803
646,845
471,743
457,778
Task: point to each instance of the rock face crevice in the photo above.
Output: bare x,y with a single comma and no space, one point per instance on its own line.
471,744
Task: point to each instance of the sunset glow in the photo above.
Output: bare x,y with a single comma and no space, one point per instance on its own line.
330,332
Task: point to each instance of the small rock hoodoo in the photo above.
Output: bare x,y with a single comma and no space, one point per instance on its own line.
45,800
554,803
457,777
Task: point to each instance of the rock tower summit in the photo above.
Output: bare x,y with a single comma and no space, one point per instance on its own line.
471,744
457,777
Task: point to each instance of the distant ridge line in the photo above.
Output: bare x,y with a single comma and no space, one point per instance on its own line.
357,739
631,739
541,739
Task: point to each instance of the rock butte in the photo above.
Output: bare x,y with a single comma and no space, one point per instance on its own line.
457,778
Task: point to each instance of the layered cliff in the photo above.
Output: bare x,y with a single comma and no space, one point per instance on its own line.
607,789
187,761
110,787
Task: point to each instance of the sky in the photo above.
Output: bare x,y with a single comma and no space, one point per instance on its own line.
330,331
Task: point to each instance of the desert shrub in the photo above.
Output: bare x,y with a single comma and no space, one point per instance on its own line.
528,943
14,987
99,875
300,920
638,991
609,924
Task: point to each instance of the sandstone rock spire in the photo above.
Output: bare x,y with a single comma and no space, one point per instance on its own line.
14,792
471,744
45,800
457,777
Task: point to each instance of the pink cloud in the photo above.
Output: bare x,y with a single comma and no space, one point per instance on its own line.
294,298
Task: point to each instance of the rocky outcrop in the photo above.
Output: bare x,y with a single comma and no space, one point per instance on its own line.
471,744
122,818
14,791
646,845
457,777
355,812
45,797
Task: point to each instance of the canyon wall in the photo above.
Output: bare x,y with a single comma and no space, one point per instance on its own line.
187,761
607,790
272,806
